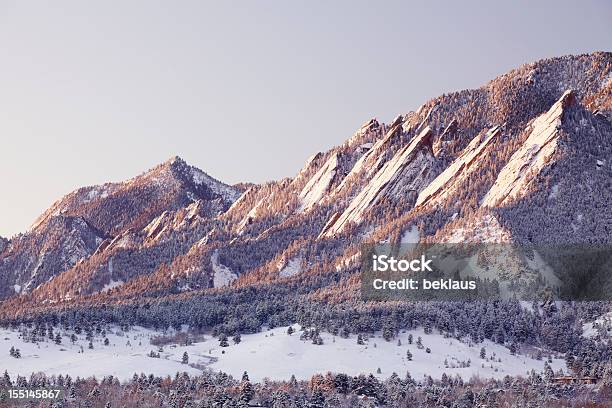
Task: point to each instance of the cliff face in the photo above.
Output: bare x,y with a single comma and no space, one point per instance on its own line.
532,156
526,157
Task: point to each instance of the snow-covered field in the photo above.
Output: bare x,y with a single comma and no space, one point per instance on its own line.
271,353
600,326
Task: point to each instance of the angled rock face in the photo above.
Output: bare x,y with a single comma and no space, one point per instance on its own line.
531,157
32,259
406,171
163,201
319,184
161,229
450,179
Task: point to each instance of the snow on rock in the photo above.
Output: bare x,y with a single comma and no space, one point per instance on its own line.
366,146
601,325
531,157
484,229
407,170
155,227
371,160
251,215
223,275
229,193
112,284
451,178
367,126
411,236
554,192
547,273
291,268
319,184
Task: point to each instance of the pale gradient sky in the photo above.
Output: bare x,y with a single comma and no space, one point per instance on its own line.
101,91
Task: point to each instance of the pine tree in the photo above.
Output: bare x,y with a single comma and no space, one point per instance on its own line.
245,376
185,359
419,343
290,330
292,381
246,391
106,342
90,345
345,332
388,331
408,355
58,339
512,348
6,379
317,399
360,339
548,372
483,353
223,341
410,339
236,338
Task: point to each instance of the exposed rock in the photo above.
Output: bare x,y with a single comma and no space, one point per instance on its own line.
57,245
453,175
447,135
531,157
406,171
114,207
319,184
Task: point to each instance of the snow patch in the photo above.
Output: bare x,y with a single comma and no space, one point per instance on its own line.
485,229
602,324
223,275
112,284
291,268
229,193
411,236
554,191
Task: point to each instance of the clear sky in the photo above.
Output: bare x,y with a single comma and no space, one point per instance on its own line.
101,91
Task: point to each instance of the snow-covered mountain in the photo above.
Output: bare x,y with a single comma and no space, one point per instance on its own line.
526,157
131,227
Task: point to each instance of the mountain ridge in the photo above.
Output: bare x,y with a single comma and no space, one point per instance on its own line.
425,175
